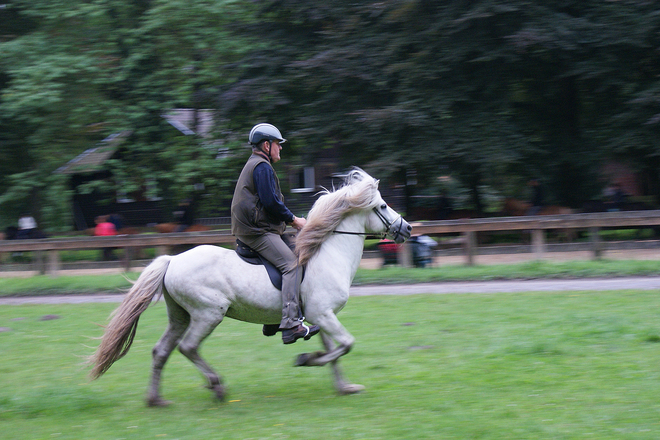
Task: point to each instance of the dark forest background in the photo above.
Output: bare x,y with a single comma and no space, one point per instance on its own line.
474,97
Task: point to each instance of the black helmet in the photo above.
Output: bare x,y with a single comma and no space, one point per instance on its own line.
265,132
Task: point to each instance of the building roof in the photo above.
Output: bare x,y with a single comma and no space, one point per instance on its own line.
93,159
183,119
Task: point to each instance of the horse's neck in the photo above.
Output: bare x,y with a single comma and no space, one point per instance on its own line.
343,252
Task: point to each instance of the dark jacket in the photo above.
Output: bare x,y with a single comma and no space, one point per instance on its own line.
248,214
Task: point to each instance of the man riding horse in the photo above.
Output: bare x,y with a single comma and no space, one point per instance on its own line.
259,218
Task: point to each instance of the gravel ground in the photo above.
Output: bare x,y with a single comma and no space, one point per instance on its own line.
488,287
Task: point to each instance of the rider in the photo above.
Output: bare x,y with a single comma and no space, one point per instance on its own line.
259,218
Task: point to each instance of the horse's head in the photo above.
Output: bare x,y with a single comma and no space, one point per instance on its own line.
387,220
381,218
358,198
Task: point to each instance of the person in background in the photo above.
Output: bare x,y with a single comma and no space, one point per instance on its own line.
422,248
117,220
184,216
27,226
537,201
445,206
619,197
105,228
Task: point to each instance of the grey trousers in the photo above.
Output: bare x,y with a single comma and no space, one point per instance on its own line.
275,249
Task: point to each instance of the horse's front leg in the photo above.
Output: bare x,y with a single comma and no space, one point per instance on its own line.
331,330
331,326
320,358
342,386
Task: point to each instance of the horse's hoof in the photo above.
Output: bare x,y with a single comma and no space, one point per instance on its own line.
158,402
219,391
302,359
305,359
351,388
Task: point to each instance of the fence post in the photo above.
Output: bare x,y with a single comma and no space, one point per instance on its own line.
53,263
405,255
538,243
162,250
128,256
39,262
596,242
470,239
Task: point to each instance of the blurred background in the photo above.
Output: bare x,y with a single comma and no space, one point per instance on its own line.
136,107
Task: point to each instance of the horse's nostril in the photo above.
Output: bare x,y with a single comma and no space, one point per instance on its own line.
409,228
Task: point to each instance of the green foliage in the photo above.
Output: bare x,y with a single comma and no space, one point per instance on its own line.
488,93
86,70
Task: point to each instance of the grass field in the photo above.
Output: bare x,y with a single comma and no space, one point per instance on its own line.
576,365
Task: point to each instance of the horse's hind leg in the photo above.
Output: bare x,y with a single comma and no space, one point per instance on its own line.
342,386
200,327
178,323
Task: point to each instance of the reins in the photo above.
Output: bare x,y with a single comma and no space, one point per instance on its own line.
381,236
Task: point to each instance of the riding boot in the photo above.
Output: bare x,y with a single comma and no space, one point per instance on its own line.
291,335
291,310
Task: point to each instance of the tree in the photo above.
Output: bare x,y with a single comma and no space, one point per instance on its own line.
79,71
581,63
493,92
396,85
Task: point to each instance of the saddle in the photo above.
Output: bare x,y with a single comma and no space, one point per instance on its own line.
251,256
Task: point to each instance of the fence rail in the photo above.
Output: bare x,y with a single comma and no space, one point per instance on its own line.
537,225
47,250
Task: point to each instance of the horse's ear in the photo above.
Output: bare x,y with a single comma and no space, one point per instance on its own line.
377,182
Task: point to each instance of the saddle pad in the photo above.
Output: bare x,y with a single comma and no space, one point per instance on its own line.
251,256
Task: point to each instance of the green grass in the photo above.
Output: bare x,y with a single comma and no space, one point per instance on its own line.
527,270
45,285
74,284
508,366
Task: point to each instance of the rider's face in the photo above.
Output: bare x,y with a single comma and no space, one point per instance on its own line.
274,152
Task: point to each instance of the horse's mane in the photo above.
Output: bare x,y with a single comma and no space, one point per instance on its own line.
357,193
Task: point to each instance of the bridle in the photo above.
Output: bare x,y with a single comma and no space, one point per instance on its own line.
394,229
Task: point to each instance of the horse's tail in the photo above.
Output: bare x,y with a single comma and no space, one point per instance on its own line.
119,333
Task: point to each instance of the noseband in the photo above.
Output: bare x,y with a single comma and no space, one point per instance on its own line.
393,230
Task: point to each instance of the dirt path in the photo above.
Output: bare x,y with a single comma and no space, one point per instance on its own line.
488,287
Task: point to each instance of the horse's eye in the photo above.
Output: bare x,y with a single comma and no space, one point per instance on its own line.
383,206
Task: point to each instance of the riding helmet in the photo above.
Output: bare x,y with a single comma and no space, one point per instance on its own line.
265,132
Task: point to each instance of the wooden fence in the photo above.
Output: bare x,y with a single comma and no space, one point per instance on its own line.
48,261
47,250
538,227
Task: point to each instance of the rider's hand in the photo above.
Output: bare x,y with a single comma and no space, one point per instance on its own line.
298,222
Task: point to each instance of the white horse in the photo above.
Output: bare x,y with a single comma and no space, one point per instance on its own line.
207,283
